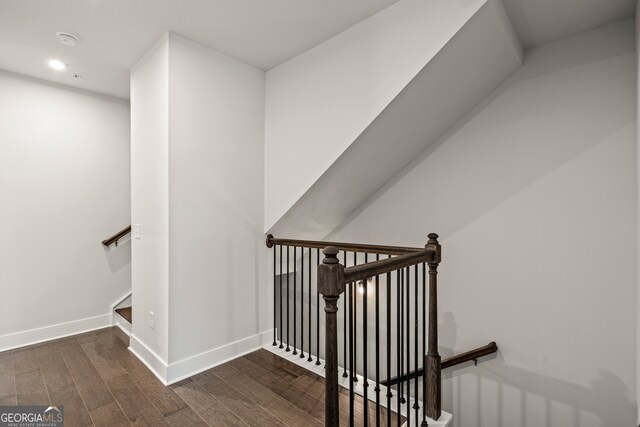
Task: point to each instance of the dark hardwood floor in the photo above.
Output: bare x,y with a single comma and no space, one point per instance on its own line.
101,383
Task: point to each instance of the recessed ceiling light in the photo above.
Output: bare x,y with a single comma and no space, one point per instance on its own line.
57,64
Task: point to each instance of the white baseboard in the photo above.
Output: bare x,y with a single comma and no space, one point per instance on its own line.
190,366
47,333
122,324
149,358
445,418
171,373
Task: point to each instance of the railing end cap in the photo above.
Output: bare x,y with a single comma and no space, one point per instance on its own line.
270,240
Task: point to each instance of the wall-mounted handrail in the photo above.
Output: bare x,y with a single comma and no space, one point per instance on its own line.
116,237
343,246
450,362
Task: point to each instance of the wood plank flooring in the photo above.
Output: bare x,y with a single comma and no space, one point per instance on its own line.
101,383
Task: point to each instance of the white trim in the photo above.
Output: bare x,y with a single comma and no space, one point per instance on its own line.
444,420
193,365
121,323
52,332
172,373
149,358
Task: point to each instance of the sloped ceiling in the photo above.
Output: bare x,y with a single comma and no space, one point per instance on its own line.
474,62
542,21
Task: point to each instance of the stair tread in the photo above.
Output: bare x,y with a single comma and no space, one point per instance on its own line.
125,312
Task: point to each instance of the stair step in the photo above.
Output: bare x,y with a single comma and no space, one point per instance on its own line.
125,312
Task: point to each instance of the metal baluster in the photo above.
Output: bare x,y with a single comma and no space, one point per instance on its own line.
408,309
344,334
354,372
389,393
302,303
399,346
287,349
295,311
416,405
281,328
377,389
317,313
351,344
275,296
402,343
310,359
424,342
364,350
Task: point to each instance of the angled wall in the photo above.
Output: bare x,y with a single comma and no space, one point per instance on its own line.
534,195
343,118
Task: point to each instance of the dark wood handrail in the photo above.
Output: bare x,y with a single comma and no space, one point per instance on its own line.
119,235
342,246
376,268
474,354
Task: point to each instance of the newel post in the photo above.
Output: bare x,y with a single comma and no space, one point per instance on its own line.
331,284
432,359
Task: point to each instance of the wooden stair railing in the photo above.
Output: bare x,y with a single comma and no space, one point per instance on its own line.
116,237
395,325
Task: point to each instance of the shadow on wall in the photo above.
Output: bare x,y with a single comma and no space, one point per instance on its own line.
519,192
119,257
607,397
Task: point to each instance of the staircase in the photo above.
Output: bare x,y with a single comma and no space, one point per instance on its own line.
123,307
378,341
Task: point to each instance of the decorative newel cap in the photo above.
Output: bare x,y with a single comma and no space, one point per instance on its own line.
433,239
330,255
269,240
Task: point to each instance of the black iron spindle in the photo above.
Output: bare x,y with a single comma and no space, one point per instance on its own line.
424,342
408,326
301,302
416,405
317,313
399,346
281,328
295,311
344,324
288,276
402,343
365,378
275,295
310,359
354,372
389,394
351,361
377,389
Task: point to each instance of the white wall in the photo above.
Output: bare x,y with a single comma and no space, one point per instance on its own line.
198,168
150,203
64,180
216,158
534,196
637,40
320,101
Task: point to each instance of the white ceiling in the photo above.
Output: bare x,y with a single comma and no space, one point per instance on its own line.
541,21
116,33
